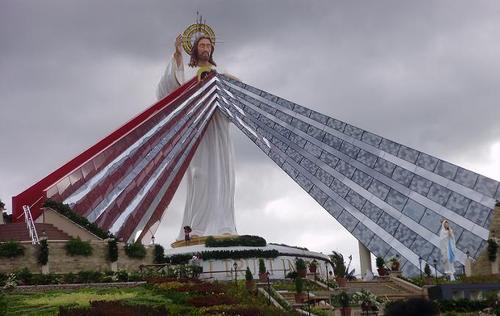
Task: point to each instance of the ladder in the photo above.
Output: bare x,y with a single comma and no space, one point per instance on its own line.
31,225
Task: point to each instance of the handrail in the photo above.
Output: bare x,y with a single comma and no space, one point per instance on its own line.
31,225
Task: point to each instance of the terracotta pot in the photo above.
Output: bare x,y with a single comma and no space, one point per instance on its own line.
300,297
382,272
263,277
342,282
250,284
312,269
395,266
428,281
302,273
345,311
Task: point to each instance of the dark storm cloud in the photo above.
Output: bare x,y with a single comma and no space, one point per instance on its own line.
423,73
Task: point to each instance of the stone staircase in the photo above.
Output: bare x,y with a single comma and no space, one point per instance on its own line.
388,288
19,232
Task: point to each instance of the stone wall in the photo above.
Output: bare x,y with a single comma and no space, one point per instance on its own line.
60,262
482,266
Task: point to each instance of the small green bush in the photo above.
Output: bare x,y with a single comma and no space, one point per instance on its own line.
159,256
492,250
24,276
262,266
244,240
78,247
427,270
300,264
135,250
11,249
248,275
112,250
43,252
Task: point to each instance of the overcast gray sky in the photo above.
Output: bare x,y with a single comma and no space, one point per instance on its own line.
423,73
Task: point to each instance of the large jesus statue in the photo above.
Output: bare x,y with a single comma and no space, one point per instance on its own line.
209,209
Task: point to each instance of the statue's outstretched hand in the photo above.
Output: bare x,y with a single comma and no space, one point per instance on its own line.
178,44
178,50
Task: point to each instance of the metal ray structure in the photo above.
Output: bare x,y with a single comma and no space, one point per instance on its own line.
389,196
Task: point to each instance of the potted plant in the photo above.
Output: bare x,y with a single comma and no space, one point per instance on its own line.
339,269
300,296
368,301
249,282
300,264
344,300
262,271
381,266
394,264
428,276
313,265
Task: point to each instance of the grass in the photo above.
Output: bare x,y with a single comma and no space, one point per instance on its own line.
47,303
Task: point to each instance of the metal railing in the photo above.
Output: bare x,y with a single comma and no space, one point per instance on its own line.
31,225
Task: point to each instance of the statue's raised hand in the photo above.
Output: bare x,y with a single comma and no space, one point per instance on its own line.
178,44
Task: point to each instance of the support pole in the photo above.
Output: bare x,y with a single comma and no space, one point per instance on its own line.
364,258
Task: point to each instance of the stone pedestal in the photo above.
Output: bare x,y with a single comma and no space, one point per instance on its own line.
45,269
364,258
494,266
114,266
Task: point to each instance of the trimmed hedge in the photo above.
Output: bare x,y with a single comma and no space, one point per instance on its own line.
112,250
11,249
78,247
66,211
43,252
244,240
159,254
135,250
224,254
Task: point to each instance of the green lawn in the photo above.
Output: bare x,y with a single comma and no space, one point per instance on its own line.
47,303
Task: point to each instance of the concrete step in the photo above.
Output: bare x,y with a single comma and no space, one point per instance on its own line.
19,232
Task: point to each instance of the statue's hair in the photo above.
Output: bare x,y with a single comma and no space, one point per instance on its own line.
193,62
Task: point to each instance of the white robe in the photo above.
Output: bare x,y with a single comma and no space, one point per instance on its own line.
209,206
448,249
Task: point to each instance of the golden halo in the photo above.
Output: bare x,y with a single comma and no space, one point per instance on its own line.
193,32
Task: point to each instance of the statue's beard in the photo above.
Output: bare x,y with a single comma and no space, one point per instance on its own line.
204,57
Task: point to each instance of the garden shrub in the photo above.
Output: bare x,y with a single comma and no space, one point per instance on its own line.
78,247
66,211
135,250
462,305
11,249
24,276
113,308
159,255
88,277
112,250
492,250
211,300
43,252
244,240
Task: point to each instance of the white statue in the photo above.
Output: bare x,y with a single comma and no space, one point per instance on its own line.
209,209
448,250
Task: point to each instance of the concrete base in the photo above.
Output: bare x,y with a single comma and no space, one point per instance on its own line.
45,269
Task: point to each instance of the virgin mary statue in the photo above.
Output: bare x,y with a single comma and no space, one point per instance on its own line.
209,209
448,250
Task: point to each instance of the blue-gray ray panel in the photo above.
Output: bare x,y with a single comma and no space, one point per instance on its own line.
384,167
355,163
446,169
486,186
378,247
366,158
431,220
413,210
372,211
410,270
355,199
347,220
477,213
470,243
408,154
458,203
396,199
332,141
402,176
379,189
405,235
362,179
363,234
466,177
388,223
422,247
427,162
